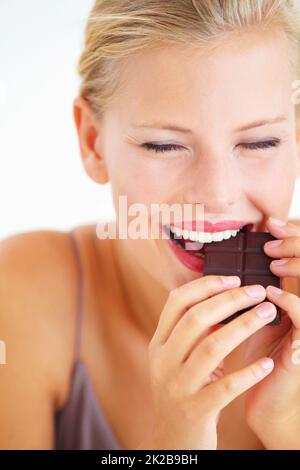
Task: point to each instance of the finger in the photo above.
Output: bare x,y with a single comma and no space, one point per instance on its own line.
219,344
287,301
282,229
288,248
184,297
286,267
198,321
225,390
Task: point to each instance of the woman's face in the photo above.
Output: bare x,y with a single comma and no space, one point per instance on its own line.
238,156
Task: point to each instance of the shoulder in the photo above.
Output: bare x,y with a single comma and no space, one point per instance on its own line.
38,300
37,306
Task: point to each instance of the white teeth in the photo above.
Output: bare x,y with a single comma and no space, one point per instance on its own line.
185,234
177,231
193,236
227,234
204,237
217,236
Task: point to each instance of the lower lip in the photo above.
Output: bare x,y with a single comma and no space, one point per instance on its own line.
191,261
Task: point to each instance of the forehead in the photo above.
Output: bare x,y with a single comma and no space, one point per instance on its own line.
242,72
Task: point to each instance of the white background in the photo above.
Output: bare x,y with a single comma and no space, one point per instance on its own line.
43,184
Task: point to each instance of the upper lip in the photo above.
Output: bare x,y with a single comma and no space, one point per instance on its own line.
206,226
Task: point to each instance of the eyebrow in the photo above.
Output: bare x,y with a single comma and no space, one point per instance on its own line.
173,127
262,122
167,126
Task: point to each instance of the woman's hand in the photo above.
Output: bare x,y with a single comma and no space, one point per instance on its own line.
185,355
273,405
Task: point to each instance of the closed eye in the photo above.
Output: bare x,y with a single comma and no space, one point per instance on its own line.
261,145
160,148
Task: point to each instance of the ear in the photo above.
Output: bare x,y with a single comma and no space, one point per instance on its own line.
88,133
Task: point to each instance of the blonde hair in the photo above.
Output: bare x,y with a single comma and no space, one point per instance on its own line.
118,30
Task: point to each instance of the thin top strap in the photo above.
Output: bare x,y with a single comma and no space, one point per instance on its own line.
79,296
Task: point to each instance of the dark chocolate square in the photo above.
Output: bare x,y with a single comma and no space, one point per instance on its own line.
243,256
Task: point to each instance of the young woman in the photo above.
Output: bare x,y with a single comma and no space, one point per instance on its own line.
117,343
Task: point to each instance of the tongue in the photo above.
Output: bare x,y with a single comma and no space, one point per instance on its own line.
189,245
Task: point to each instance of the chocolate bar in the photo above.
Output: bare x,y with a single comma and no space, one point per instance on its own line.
243,256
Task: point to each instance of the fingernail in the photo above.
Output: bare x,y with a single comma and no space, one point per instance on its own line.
274,243
274,290
278,222
266,363
231,280
279,262
255,291
265,310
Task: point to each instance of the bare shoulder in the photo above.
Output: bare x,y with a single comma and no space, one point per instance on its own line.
37,325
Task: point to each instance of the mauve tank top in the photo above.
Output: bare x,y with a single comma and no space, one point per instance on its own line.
81,424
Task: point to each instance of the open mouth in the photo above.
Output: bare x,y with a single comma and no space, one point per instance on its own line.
194,242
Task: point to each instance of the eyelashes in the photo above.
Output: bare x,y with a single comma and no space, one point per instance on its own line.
261,145
161,148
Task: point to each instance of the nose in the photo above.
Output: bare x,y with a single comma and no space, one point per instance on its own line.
216,184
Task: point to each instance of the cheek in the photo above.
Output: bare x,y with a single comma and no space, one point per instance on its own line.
271,181
283,179
143,181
